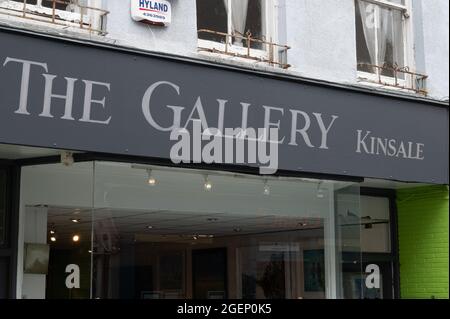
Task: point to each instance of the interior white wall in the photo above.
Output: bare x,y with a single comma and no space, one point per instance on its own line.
36,233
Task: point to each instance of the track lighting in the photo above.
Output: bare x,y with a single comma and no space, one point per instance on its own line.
266,188
208,185
151,179
320,193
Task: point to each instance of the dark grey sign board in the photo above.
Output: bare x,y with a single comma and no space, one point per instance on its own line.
59,94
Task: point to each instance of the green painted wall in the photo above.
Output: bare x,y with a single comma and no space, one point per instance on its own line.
423,241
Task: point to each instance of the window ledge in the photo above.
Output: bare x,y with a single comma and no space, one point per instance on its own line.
240,62
364,82
46,28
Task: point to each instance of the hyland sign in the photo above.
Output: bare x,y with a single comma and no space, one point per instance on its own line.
152,12
126,103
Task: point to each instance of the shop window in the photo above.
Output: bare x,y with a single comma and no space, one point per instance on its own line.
80,14
119,230
383,44
240,28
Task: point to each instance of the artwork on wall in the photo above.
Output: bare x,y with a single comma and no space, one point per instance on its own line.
314,270
36,258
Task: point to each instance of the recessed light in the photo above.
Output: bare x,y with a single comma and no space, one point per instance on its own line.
237,230
149,227
53,238
76,238
52,232
75,220
212,219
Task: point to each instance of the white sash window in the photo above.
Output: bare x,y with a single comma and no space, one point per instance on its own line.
382,38
241,18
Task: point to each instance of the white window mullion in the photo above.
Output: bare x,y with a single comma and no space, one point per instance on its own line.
377,26
230,22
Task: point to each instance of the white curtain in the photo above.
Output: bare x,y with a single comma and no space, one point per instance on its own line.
239,10
368,17
385,35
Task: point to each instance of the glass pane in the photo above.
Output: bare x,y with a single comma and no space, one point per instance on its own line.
365,36
57,231
242,237
140,234
212,15
401,2
391,40
27,1
3,185
59,4
247,19
375,233
350,278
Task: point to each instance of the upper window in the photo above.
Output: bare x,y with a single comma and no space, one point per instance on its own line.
81,14
243,28
380,36
234,17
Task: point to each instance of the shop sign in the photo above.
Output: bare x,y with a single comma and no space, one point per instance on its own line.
124,103
152,12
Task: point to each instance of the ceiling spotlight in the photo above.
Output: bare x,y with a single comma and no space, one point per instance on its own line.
195,237
208,185
53,238
266,188
151,179
320,193
52,232
149,227
75,220
76,238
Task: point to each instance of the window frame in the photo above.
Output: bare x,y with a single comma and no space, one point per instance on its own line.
270,16
407,33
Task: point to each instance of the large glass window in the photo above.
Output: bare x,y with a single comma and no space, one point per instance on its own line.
118,230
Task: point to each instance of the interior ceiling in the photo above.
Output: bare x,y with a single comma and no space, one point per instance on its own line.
163,226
